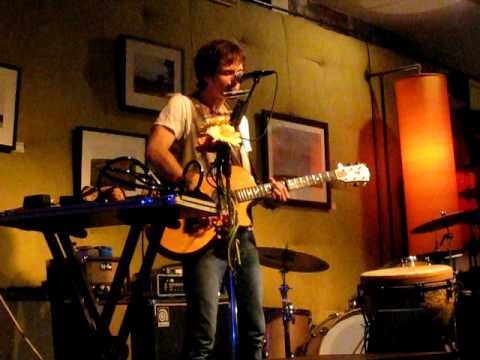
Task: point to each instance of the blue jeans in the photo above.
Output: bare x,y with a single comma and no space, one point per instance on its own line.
203,276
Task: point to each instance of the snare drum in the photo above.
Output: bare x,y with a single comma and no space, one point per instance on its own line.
340,333
408,308
274,334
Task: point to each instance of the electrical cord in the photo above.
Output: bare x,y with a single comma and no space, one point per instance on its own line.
226,200
268,113
19,329
130,178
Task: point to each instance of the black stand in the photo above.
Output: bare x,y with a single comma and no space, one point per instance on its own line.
223,170
58,223
223,165
448,237
241,106
106,346
287,315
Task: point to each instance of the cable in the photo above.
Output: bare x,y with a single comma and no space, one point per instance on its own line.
268,113
128,176
19,328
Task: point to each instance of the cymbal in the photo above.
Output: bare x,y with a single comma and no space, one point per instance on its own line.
459,217
288,260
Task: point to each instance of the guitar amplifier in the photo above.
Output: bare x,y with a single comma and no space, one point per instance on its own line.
167,285
166,282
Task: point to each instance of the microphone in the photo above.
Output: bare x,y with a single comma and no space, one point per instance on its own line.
241,76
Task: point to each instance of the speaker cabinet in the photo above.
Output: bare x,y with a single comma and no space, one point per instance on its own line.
158,330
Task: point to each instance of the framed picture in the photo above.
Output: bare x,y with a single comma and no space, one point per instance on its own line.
225,2
149,74
92,147
296,147
9,94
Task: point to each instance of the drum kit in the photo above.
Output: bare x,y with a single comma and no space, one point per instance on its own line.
410,306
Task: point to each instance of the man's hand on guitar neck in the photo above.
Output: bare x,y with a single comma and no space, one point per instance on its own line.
279,190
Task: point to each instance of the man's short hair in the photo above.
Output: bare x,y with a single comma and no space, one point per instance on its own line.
212,55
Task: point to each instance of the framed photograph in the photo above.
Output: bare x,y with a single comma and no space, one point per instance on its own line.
225,2
149,74
296,147
92,147
9,94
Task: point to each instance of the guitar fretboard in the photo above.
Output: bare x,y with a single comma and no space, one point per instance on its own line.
264,190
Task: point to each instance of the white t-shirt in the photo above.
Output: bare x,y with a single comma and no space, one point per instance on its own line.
183,116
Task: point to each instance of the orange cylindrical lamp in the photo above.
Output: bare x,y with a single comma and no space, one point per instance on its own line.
427,157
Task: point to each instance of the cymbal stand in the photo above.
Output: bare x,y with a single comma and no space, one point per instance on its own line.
473,247
448,236
287,315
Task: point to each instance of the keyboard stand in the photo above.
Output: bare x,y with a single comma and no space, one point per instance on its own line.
58,223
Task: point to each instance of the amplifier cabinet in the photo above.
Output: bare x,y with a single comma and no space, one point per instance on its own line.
159,330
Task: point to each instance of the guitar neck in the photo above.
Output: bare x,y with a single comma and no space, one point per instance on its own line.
264,190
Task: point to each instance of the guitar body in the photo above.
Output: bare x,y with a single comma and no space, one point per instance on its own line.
195,234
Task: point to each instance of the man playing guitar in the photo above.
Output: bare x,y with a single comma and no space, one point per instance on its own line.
172,144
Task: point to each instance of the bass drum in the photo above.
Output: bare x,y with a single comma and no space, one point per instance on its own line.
340,333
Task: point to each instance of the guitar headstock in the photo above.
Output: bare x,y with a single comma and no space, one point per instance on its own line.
358,174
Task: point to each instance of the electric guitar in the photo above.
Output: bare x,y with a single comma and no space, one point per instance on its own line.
194,234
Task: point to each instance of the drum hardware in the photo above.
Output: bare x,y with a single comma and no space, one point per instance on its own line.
410,261
471,249
446,220
287,311
287,260
274,345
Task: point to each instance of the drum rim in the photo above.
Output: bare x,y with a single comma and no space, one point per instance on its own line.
408,275
335,318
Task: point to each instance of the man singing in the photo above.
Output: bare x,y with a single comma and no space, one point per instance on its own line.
172,144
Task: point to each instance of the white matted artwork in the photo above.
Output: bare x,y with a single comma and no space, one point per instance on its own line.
151,74
225,2
9,94
94,147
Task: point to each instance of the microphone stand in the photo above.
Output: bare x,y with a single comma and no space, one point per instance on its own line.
223,166
241,106
223,163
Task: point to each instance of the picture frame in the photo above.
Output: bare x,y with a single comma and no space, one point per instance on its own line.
296,147
225,2
149,73
92,147
10,76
